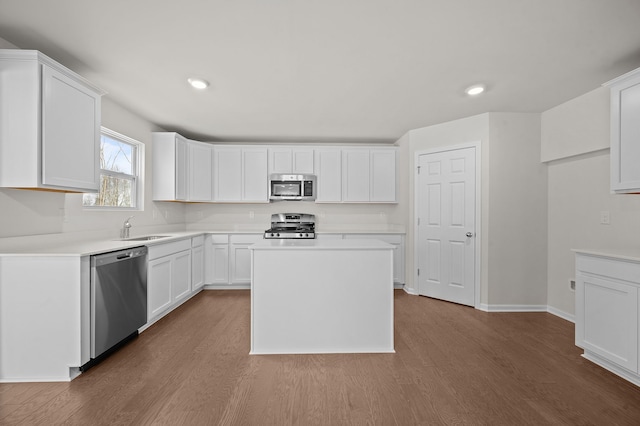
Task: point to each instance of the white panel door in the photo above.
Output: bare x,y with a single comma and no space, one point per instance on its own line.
446,225
355,175
200,172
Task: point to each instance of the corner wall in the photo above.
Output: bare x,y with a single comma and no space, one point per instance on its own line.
576,145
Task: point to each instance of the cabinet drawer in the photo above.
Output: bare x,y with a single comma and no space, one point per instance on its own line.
245,238
219,238
613,268
197,241
160,250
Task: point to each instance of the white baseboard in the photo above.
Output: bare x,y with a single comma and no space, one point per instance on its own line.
410,291
227,287
562,314
512,308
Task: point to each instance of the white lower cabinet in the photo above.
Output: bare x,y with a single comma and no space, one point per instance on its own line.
216,268
240,257
168,276
607,313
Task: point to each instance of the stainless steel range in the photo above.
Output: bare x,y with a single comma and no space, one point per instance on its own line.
292,225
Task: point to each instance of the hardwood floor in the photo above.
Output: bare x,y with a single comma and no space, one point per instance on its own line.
453,365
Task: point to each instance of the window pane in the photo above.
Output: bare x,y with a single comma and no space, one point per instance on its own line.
114,192
116,156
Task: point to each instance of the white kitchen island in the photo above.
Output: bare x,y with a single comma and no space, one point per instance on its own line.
312,296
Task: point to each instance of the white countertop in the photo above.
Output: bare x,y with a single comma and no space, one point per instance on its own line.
632,255
302,244
96,242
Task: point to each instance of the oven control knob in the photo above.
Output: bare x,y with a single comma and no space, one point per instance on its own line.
272,234
306,235
278,234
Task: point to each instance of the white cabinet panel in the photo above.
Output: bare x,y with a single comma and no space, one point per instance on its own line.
200,172
355,175
625,132
159,276
254,175
70,132
181,276
383,175
369,175
228,174
170,167
297,160
240,174
55,115
329,175
197,267
240,257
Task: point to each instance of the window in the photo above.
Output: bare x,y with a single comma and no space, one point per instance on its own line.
120,159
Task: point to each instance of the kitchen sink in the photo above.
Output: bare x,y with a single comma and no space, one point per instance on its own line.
147,238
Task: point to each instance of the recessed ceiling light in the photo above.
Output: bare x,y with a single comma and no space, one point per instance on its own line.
474,90
198,83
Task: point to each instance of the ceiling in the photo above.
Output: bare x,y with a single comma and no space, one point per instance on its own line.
331,70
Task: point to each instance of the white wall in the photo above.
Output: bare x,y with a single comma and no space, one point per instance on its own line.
513,204
578,191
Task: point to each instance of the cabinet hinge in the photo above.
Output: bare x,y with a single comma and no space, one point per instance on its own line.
418,271
418,169
418,221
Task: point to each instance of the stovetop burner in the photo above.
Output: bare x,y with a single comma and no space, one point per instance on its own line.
291,225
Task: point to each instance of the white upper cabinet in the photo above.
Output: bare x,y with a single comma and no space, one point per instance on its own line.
170,167
200,171
240,174
182,169
625,132
50,121
296,160
369,175
329,175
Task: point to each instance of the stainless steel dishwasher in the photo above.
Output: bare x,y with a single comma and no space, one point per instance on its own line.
118,297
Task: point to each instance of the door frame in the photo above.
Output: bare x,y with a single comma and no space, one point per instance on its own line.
478,213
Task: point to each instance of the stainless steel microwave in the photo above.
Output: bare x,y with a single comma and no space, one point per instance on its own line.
292,187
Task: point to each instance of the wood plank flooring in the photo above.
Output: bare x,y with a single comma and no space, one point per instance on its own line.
453,365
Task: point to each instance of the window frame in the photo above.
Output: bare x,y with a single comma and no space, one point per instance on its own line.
137,164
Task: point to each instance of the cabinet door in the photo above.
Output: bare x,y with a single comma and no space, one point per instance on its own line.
70,132
240,257
159,276
255,175
383,175
182,169
197,268
181,275
607,319
625,134
200,172
228,174
220,263
329,175
302,161
355,175
280,160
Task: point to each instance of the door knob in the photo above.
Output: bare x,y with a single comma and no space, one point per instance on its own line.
469,234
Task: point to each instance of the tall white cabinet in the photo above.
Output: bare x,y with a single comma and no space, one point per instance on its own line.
240,174
625,132
50,121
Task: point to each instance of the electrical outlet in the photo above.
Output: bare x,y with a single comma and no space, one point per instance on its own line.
572,285
605,218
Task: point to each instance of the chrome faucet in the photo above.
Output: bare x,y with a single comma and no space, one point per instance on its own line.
124,232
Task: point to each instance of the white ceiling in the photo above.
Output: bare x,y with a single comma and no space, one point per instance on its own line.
327,70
